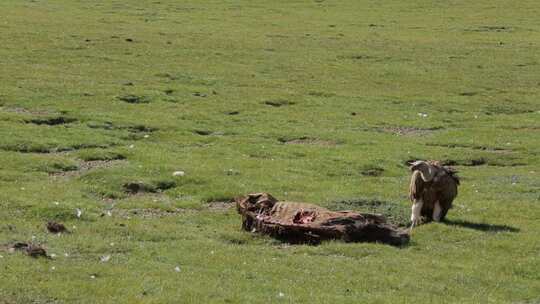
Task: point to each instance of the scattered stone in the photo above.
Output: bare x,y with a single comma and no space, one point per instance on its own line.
199,94
179,173
231,172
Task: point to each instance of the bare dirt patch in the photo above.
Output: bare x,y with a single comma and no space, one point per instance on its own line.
86,166
465,162
134,99
132,128
203,132
49,149
473,147
20,110
508,108
321,94
144,187
357,57
372,171
305,140
219,206
490,28
480,161
408,131
468,94
148,212
279,103
51,121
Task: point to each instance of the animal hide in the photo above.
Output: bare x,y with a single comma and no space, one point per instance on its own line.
308,223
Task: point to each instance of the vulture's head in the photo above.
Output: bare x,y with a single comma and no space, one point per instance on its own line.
427,171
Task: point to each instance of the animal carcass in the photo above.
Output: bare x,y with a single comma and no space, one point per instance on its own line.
308,223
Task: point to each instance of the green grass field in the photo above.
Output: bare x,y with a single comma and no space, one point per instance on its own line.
321,101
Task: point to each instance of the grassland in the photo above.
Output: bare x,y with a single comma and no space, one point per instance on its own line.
320,101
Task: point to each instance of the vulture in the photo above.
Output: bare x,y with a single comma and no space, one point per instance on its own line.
432,189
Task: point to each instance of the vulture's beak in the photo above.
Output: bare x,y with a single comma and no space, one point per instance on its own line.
414,165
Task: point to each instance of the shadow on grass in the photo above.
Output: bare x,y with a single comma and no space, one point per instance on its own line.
482,226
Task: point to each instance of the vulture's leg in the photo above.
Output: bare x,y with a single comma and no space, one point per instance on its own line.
437,212
415,212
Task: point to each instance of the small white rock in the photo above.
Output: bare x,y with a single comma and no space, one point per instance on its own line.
105,258
92,277
53,255
131,146
179,173
56,203
78,212
53,268
281,294
177,268
146,136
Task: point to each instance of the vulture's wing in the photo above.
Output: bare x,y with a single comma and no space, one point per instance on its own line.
416,187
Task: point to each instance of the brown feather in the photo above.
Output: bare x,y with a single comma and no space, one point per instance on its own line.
442,188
